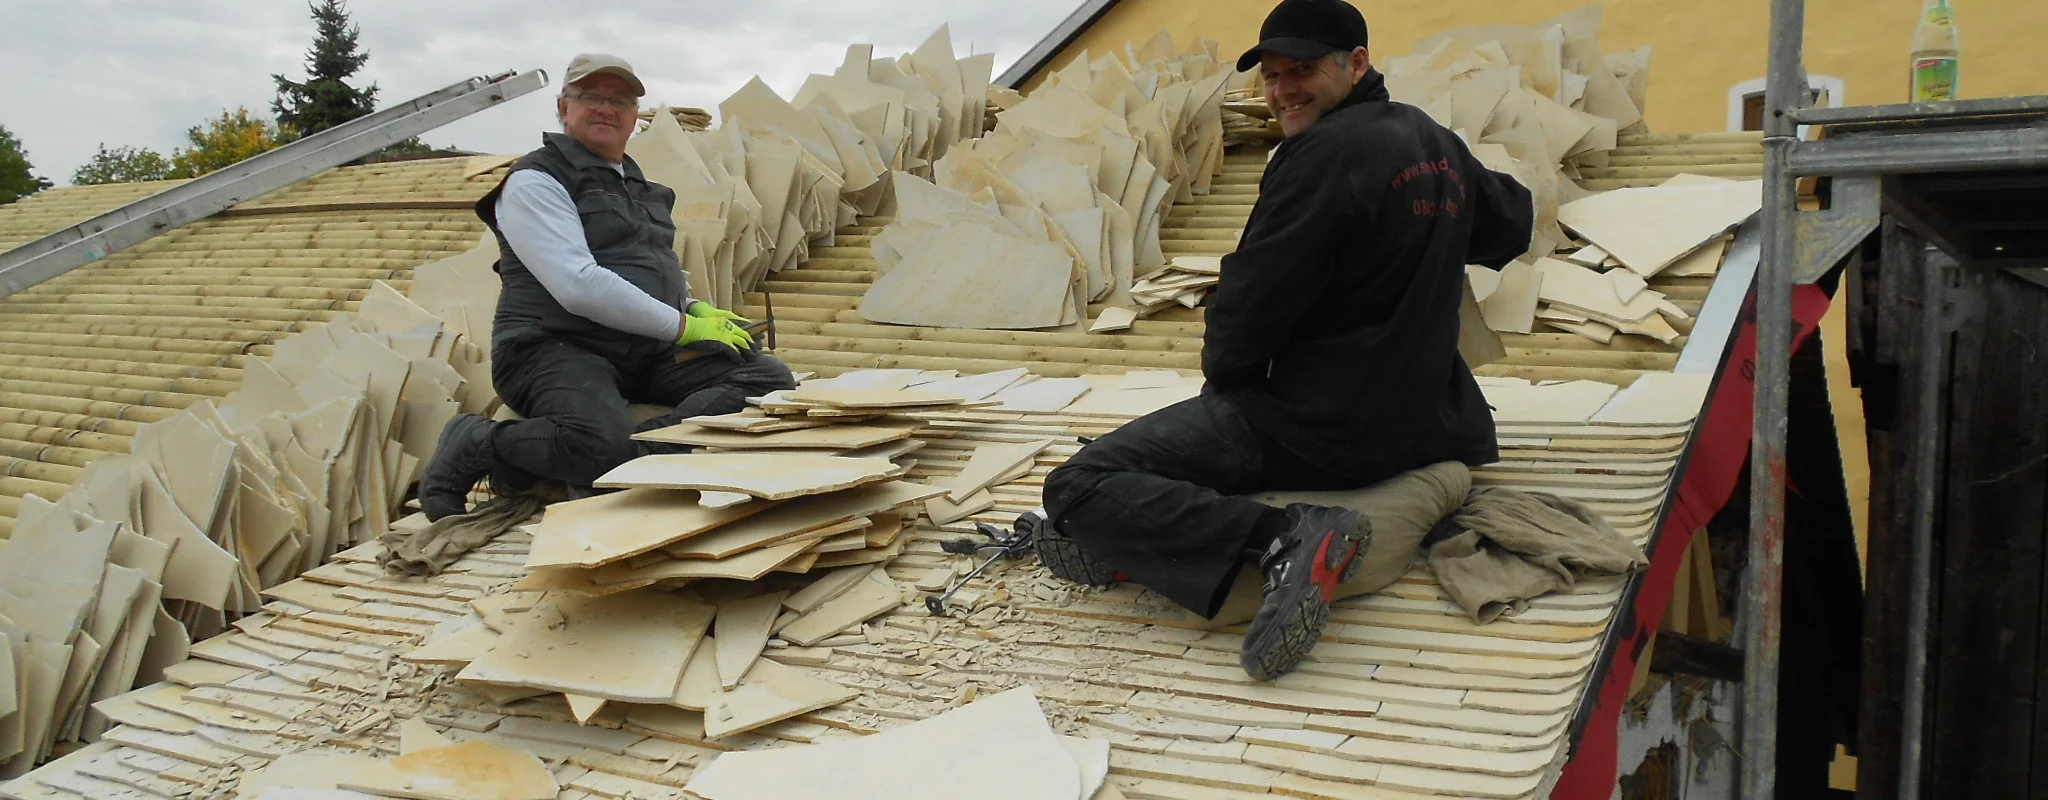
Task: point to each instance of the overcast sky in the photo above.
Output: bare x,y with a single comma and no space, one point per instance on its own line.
140,72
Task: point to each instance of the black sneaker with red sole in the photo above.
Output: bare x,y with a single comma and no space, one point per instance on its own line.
1303,568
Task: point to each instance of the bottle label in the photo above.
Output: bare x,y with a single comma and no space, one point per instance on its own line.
1934,79
1940,16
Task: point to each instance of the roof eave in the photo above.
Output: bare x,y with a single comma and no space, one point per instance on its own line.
1062,35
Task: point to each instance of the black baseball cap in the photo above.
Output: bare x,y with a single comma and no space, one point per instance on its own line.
1307,29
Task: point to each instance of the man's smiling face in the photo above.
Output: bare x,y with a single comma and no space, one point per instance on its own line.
600,111
1301,92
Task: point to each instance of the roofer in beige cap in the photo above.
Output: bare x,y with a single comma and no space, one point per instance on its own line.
595,313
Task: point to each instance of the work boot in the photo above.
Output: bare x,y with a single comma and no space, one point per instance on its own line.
1063,556
1303,568
462,457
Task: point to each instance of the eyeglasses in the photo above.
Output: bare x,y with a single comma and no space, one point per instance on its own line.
622,104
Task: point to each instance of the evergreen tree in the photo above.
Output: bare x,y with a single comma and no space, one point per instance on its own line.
122,164
17,176
231,137
325,100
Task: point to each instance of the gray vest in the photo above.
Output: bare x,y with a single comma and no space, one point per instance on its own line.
627,225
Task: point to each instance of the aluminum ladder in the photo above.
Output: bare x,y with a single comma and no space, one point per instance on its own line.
81,244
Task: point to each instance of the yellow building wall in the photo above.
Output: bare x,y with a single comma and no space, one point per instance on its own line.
1700,49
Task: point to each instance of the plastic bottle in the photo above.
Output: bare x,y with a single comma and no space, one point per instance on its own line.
1937,54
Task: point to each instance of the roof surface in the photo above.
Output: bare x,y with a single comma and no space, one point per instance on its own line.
1405,695
88,357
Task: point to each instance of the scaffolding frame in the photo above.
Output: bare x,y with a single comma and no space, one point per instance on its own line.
1884,142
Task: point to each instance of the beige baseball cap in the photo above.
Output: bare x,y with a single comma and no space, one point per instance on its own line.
585,65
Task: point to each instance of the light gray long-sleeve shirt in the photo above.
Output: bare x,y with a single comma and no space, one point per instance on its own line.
539,220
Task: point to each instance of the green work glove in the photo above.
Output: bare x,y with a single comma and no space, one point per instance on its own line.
715,329
703,310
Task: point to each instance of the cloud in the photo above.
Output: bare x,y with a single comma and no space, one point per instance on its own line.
140,72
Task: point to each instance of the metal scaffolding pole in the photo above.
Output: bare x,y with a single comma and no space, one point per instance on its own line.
1785,91
1927,463
1958,143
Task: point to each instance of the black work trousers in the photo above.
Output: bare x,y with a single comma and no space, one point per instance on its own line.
1158,499
575,402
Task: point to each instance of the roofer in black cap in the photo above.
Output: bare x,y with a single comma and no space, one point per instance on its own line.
1331,354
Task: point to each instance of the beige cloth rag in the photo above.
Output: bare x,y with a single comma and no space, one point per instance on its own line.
1507,547
429,551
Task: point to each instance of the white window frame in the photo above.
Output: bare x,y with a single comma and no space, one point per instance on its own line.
1831,87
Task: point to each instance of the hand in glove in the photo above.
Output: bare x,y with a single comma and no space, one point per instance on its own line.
714,329
703,310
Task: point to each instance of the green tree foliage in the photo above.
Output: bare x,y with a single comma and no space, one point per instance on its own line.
412,146
122,164
17,176
231,137
325,99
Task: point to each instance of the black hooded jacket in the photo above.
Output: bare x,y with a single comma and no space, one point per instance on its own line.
1335,328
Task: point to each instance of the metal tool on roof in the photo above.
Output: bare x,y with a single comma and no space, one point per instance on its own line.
1009,545
757,328
768,301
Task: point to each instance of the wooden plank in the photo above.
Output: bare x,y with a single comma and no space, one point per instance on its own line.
1990,528
472,770
1042,395
1704,262
870,398
741,633
1112,320
832,585
1217,711
895,763
629,647
584,707
1627,285
1314,765
976,388
989,463
1649,228
754,422
456,649
1657,399
1237,777
746,566
771,692
1593,294
1886,304
944,512
797,516
1573,402
1465,784
835,437
767,476
975,275
1511,308
1368,730
599,530
874,595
